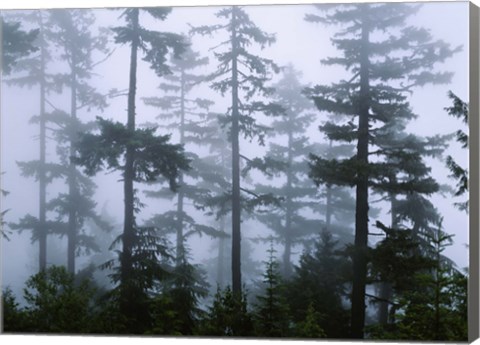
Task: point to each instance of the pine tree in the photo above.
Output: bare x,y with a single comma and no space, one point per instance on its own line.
288,162
16,44
141,156
33,71
244,75
459,109
382,72
317,287
191,117
71,32
271,317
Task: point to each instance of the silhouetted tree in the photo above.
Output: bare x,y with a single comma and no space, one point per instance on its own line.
382,72
244,75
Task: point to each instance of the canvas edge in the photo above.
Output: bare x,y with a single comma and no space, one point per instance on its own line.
474,167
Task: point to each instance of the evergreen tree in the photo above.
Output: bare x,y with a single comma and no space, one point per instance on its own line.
71,32
16,44
459,109
316,290
141,156
32,71
271,316
245,75
227,316
191,117
383,71
297,190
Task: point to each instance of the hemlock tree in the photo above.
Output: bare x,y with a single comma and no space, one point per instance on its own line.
16,43
191,118
32,71
71,32
141,156
243,75
459,109
383,70
289,163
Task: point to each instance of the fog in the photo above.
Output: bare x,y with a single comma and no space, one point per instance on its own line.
299,43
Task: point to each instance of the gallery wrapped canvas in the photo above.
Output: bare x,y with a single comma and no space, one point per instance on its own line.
301,171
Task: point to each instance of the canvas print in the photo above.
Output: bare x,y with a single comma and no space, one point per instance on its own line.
268,171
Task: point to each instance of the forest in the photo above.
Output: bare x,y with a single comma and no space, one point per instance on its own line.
179,171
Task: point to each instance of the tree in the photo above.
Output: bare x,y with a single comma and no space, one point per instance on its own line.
56,305
316,289
71,32
16,44
33,71
382,73
271,317
140,154
192,118
244,75
459,109
288,162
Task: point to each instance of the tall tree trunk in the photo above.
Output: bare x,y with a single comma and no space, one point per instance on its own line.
288,221
221,255
129,217
42,179
236,263
72,189
361,210
385,286
180,240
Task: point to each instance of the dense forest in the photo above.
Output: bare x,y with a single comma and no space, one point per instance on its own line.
180,177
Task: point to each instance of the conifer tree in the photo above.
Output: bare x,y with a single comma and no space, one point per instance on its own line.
459,109
33,71
191,117
290,164
72,32
243,75
16,43
271,317
382,73
141,156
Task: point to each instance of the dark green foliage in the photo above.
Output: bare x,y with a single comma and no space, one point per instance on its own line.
154,156
271,314
55,304
316,290
433,302
244,76
227,316
16,44
459,109
382,73
13,317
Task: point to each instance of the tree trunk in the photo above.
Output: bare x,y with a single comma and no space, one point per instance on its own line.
42,179
129,217
288,221
221,255
361,210
180,240
385,286
72,189
236,263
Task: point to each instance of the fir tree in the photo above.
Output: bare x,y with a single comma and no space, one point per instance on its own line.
244,75
459,109
192,118
141,156
271,316
382,72
16,44
32,71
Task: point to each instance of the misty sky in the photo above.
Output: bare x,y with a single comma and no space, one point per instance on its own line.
298,42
